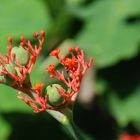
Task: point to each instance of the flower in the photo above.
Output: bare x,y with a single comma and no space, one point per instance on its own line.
75,67
38,87
20,59
50,69
129,137
70,63
55,53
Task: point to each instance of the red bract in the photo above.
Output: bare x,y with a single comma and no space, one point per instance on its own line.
33,51
129,137
55,53
38,87
51,69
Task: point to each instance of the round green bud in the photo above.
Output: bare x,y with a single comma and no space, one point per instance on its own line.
21,55
5,79
54,97
11,70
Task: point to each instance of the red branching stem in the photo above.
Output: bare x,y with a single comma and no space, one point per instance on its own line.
38,103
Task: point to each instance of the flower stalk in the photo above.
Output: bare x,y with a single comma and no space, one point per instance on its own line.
65,117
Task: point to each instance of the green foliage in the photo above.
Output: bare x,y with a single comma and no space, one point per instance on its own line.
126,110
4,129
9,101
22,18
107,34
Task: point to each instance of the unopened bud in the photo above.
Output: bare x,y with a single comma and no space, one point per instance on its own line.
42,33
21,55
10,70
54,96
22,38
35,34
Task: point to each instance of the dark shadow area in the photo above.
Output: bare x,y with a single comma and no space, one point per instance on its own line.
88,2
133,19
96,122
131,129
123,77
76,26
34,127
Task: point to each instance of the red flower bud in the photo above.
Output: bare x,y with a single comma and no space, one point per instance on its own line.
22,38
55,53
50,69
10,39
42,33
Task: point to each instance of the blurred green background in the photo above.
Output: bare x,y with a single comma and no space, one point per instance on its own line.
109,32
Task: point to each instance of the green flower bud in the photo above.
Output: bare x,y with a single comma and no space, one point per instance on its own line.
11,70
54,97
21,55
5,79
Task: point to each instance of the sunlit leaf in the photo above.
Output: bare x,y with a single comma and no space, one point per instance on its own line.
22,18
109,34
4,129
125,110
9,101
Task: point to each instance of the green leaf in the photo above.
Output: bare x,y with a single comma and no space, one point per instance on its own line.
126,110
107,35
22,18
9,101
4,129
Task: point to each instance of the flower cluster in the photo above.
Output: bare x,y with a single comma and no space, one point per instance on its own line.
19,63
129,137
75,67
